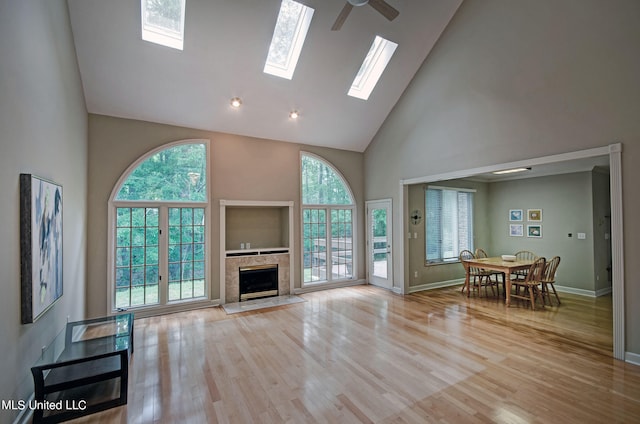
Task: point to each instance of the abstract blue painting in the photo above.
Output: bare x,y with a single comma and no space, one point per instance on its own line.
40,245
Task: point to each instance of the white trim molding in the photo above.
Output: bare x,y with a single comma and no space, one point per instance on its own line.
436,285
326,286
632,358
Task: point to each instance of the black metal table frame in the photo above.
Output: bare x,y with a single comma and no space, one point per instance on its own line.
91,361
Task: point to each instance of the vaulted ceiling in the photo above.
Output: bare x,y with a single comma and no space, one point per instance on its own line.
225,47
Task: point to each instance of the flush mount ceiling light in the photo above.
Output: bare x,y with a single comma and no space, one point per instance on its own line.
236,102
294,114
511,171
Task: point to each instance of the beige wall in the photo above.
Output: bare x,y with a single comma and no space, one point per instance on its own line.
242,168
43,131
567,208
511,80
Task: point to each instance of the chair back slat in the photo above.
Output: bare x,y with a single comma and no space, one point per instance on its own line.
536,271
549,275
525,255
464,256
481,253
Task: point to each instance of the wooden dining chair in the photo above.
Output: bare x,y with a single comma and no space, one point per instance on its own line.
549,279
520,275
477,277
532,284
481,253
523,255
464,256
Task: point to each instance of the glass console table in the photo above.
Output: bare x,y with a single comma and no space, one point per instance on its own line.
84,370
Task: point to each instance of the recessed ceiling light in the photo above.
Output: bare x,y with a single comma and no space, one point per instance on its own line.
294,114
236,102
511,171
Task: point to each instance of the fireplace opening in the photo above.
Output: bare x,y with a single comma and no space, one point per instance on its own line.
258,281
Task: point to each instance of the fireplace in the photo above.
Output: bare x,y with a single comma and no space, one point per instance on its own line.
258,281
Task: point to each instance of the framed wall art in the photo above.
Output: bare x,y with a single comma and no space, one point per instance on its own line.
534,231
534,215
516,230
40,245
515,214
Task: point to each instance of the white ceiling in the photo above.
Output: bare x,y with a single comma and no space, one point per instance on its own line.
226,43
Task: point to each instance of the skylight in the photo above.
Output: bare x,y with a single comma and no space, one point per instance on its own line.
288,37
163,22
372,67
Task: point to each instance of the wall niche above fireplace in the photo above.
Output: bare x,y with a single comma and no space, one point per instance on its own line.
256,227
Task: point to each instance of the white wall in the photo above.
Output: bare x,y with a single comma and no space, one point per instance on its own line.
43,131
512,80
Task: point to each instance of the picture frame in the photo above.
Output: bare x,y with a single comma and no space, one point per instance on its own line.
534,215
40,246
515,214
516,230
534,231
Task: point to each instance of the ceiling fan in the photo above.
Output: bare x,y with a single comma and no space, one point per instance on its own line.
384,8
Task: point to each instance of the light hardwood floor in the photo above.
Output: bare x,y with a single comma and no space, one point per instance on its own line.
363,354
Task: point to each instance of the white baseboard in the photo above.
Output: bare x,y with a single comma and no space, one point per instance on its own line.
177,307
436,285
562,289
326,286
583,292
602,292
632,358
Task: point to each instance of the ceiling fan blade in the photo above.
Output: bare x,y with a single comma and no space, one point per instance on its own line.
342,17
385,9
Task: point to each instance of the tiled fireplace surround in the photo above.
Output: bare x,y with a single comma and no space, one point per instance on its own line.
232,273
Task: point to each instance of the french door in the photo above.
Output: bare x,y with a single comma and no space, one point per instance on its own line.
379,243
159,255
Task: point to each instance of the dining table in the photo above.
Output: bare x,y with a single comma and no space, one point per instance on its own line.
497,263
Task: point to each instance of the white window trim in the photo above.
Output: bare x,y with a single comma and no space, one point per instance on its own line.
371,71
113,204
296,46
158,35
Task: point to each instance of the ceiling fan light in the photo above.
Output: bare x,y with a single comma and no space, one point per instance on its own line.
358,2
294,114
236,102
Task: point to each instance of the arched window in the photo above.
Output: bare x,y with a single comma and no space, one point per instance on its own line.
328,222
158,226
